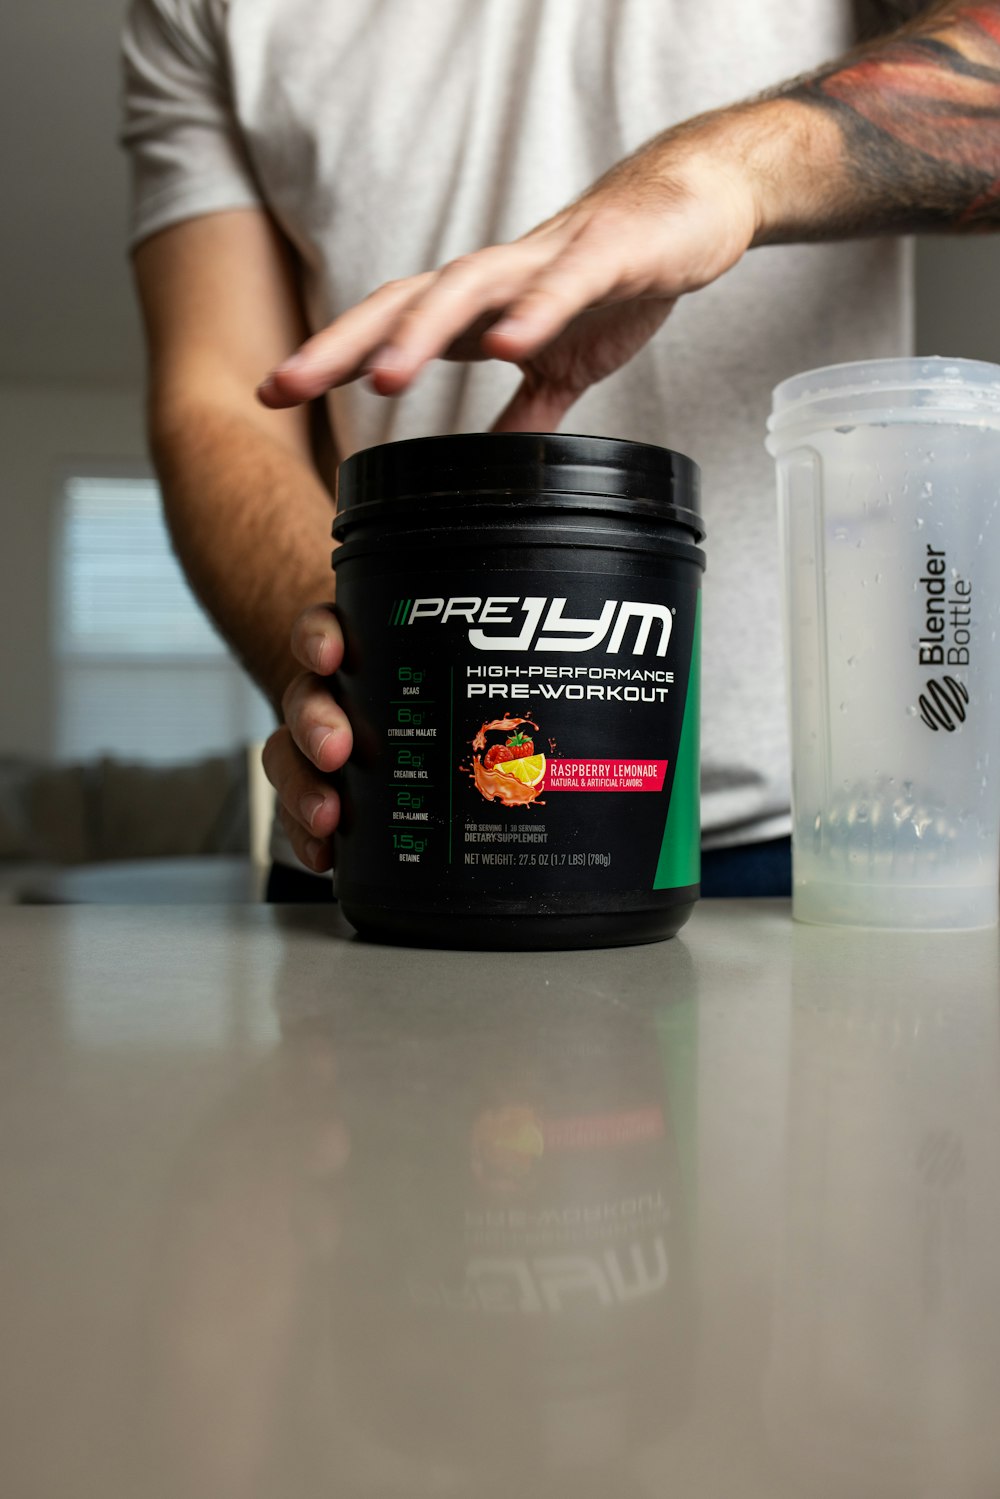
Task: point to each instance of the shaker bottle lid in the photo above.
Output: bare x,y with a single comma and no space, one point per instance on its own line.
543,470
886,391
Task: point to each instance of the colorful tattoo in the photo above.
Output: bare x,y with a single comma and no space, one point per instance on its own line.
920,115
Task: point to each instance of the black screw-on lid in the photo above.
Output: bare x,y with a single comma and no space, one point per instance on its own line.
542,470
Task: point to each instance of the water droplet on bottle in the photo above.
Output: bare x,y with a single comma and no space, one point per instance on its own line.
926,489
911,710
918,524
843,707
878,577
840,534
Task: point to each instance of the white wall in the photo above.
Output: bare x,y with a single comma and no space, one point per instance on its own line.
66,308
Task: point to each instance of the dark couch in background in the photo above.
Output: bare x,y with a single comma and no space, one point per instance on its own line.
59,815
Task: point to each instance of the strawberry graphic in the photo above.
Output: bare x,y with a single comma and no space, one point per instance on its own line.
518,747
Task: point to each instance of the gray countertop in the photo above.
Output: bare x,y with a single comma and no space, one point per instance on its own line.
282,1214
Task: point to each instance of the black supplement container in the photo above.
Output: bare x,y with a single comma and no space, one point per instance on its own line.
522,621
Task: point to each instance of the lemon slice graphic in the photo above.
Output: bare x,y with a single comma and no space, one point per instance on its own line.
524,1139
529,770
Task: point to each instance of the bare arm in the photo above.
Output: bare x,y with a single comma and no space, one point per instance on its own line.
900,135
918,120
248,513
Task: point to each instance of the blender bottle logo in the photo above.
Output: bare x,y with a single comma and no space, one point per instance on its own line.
945,640
942,704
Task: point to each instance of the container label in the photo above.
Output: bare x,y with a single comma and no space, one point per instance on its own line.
520,742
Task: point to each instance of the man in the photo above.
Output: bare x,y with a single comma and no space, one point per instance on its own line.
291,154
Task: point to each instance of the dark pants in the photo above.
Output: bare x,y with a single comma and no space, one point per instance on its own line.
752,869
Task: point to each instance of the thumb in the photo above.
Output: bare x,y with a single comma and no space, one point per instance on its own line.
535,407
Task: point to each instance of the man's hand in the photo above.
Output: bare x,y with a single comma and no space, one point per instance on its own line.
570,302
314,740
901,135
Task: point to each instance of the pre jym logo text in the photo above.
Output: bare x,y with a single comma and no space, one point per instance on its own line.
502,623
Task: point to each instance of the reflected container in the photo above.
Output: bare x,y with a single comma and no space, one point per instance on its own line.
513,1297
888,496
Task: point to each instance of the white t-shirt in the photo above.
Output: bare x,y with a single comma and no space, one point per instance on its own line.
388,136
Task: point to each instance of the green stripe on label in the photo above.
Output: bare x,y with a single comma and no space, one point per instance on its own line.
679,863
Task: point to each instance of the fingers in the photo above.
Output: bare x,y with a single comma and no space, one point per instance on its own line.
535,407
309,807
317,641
597,343
515,298
314,741
505,302
597,266
394,332
466,294
317,723
338,354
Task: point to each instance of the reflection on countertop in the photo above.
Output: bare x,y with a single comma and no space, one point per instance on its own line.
286,1214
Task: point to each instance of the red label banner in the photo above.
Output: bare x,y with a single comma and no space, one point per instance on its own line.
605,775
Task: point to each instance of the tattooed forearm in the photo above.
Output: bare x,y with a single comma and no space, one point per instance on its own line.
919,115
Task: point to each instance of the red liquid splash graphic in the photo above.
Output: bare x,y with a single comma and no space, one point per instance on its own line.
496,785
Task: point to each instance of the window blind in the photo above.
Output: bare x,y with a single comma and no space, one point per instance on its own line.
123,592
141,671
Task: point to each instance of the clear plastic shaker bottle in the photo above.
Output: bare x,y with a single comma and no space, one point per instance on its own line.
888,497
